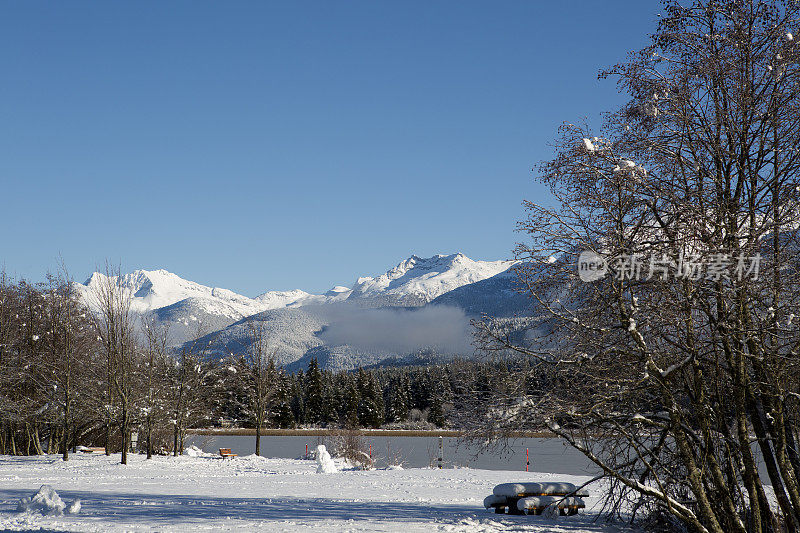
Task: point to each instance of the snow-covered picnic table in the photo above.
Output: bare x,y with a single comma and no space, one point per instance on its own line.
535,497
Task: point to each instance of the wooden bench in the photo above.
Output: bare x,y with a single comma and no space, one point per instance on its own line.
533,498
566,505
499,503
93,450
227,453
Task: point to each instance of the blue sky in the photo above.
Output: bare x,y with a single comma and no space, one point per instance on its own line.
277,145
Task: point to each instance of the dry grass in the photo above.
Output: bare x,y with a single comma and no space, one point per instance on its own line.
352,446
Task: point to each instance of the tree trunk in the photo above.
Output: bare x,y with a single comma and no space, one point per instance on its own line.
125,444
37,441
772,469
65,433
149,438
794,458
28,439
108,436
13,441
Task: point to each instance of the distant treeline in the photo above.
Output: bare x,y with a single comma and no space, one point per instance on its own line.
413,397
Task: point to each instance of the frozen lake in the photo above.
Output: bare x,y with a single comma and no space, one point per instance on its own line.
546,454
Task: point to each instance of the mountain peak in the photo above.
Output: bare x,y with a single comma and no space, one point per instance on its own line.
438,260
154,289
418,280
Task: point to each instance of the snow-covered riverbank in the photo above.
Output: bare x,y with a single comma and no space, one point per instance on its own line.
249,493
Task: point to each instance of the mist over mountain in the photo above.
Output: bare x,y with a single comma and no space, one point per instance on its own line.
421,308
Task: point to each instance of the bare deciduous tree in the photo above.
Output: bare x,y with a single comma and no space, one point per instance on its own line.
68,342
154,379
259,377
113,323
188,391
663,370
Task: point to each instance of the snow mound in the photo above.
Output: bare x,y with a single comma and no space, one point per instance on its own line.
47,502
194,451
74,507
537,489
325,464
493,500
254,457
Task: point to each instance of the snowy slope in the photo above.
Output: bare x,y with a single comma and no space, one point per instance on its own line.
416,281
291,333
153,289
335,326
298,334
277,299
498,295
191,308
191,317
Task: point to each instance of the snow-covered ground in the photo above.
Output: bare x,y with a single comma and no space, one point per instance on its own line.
253,493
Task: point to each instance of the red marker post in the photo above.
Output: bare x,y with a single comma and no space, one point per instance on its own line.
527,459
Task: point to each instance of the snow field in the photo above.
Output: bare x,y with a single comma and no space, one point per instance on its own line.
206,493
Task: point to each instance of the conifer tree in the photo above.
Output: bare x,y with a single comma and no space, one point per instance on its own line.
316,410
352,402
283,417
297,394
396,401
436,402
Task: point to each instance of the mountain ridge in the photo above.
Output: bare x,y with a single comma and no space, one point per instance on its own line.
371,321
410,282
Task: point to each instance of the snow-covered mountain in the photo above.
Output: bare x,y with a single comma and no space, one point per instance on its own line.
342,326
153,289
498,296
416,281
413,282
298,298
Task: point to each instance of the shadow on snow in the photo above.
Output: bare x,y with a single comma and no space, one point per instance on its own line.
166,508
